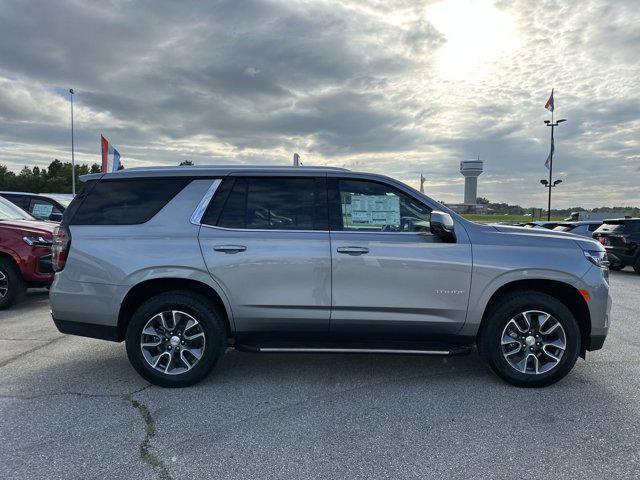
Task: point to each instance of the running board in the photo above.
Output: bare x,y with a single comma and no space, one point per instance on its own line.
448,350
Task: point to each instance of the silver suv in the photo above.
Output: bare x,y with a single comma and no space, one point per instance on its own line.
183,263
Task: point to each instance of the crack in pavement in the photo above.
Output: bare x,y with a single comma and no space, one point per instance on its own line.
150,431
59,394
31,350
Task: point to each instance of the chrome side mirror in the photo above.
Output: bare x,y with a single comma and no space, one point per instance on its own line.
442,226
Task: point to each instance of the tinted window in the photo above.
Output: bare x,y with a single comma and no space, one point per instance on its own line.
22,202
633,226
271,204
126,202
374,207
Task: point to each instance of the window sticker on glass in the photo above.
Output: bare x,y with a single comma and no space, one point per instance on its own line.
375,209
42,210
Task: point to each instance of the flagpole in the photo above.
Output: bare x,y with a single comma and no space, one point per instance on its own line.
550,183
73,159
550,171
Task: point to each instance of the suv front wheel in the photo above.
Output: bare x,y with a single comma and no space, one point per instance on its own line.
531,339
174,339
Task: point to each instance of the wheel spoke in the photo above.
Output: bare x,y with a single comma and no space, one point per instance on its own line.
558,343
551,329
193,337
513,352
160,358
550,355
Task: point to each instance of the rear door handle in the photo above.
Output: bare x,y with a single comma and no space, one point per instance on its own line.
230,248
353,250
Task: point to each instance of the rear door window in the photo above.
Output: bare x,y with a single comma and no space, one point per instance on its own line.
43,209
269,203
126,201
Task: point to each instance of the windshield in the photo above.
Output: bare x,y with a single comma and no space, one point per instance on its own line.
9,211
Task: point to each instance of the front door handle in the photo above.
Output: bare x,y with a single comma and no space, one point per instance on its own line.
230,248
353,250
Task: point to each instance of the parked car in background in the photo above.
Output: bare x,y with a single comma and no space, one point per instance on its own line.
584,229
25,252
43,206
183,262
621,239
547,225
583,215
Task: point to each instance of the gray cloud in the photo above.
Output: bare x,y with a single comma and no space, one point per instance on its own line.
346,83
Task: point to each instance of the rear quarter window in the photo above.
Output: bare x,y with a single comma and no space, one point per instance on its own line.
126,202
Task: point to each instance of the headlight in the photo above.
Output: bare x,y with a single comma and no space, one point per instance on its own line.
37,241
597,257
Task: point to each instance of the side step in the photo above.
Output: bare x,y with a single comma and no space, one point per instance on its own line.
430,348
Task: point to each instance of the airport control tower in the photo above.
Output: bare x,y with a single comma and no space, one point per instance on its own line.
471,169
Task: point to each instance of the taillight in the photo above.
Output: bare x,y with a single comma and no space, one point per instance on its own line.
60,247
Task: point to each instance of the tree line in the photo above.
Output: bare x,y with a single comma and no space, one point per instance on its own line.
56,178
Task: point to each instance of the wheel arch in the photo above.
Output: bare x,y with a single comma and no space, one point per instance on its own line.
146,289
564,292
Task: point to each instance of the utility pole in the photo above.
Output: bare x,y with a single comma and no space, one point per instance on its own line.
73,159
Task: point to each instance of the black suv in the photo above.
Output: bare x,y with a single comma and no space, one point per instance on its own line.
621,238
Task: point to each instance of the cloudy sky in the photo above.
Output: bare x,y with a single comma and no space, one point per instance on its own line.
390,86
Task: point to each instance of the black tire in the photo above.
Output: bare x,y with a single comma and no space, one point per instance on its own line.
490,346
15,284
616,268
636,266
208,316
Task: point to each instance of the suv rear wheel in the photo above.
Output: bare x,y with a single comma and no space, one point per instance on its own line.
174,339
12,285
531,339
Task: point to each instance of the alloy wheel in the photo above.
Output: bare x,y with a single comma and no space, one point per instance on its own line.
4,284
172,342
533,342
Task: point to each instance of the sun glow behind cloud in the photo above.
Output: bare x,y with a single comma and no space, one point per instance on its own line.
477,35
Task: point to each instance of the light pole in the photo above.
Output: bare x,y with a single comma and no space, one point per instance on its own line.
73,159
546,184
550,182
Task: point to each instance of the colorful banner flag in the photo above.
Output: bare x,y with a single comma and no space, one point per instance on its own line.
546,164
110,157
549,105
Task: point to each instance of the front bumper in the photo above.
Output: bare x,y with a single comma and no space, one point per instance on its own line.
599,308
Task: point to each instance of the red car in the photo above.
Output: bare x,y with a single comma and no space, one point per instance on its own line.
25,252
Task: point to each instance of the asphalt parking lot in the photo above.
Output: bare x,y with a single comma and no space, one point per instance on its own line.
72,407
